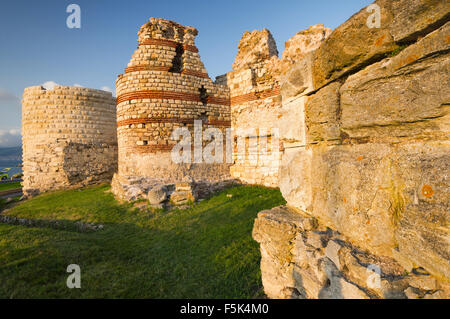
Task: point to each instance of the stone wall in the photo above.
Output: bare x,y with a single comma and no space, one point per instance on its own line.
68,136
166,87
255,100
366,156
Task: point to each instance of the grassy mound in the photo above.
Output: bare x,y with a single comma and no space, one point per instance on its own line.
203,252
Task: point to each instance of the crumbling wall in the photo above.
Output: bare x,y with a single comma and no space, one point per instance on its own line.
166,87
368,161
255,100
68,136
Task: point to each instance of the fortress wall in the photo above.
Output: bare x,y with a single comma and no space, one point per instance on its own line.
165,86
255,97
68,136
365,164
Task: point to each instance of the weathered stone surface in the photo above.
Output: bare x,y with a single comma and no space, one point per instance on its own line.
302,43
182,197
297,79
299,263
425,282
295,66
157,195
406,95
165,87
255,47
322,114
273,229
354,44
415,18
291,122
400,208
389,210
295,180
69,138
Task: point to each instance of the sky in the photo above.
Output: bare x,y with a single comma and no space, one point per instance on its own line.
37,47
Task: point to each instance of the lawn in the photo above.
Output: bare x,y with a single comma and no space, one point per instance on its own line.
203,252
7,186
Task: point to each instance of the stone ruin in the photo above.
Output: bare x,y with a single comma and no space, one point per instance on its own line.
68,137
255,99
363,157
365,164
166,87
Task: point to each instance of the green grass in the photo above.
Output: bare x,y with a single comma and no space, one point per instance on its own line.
203,252
7,186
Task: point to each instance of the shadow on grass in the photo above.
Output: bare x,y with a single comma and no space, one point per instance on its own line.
203,252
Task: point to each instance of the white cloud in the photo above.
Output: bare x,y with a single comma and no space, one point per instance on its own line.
106,88
49,85
78,85
10,138
5,95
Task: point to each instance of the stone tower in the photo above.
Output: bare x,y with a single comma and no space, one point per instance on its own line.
165,87
68,136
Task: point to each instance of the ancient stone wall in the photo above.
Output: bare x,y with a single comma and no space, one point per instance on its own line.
166,87
365,162
255,100
68,136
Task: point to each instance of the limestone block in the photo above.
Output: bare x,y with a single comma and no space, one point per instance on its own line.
302,43
157,195
322,114
415,18
298,78
423,281
401,199
406,95
295,179
255,47
353,44
291,122
293,268
181,198
275,230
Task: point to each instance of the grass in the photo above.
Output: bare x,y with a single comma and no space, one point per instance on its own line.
203,252
8,186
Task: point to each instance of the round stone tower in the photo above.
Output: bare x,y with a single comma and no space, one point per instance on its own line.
69,137
165,87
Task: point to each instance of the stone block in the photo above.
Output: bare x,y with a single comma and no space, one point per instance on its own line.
406,95
295,179
355,44
322,113
157,195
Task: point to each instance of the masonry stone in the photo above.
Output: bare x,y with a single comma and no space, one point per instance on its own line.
165,87
68,137
369,161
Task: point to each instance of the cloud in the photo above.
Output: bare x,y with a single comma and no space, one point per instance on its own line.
78,85
49,85
10,138
5,95
106,88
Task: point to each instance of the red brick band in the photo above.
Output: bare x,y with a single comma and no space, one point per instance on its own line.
151,148
171,120
252,96
195,73
170,95
136,68
147,68
169,43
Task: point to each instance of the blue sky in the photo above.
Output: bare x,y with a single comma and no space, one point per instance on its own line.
37,47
